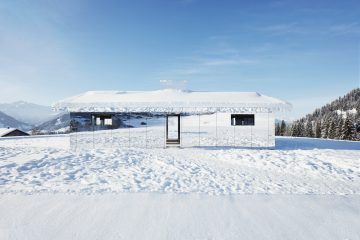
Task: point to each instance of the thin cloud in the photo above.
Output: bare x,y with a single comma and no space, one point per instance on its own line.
216,56
219,37
33,53
295,28
227,62
279,29
201,66
348,28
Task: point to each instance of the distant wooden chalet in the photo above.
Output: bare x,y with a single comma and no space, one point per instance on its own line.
12,132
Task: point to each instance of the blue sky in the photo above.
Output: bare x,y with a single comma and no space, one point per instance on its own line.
306,52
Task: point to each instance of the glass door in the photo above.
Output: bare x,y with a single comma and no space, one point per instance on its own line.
173,129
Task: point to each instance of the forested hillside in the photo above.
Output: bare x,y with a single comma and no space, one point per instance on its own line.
339,119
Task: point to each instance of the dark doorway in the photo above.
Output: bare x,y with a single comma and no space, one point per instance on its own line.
173,129
242,119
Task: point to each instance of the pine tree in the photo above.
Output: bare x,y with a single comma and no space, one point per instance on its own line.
348,129
294,129
325,128
282,128
277,129
339,128
357,127
332,129
301,129
288,130
308,129
318,129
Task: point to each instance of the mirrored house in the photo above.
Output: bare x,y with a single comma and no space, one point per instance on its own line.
172,117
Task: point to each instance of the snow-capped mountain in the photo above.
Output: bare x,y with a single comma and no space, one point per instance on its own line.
8,121
30,113
59,124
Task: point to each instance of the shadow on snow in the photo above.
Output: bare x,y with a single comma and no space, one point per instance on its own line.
303,143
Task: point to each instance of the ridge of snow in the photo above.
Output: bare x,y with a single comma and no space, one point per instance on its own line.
170,100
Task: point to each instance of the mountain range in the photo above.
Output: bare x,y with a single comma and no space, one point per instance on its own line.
8,121
29,113
27,116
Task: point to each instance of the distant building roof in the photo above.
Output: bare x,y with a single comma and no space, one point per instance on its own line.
6,131
168,100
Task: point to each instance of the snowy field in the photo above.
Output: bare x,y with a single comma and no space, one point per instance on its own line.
179,216
304,189
300,166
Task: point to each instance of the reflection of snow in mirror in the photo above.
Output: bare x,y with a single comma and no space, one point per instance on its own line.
172,127
214,130
174,84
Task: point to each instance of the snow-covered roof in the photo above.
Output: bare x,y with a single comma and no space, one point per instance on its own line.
4,131
170,100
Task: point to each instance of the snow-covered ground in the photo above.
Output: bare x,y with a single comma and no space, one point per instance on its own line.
45,164
304,189
179,216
